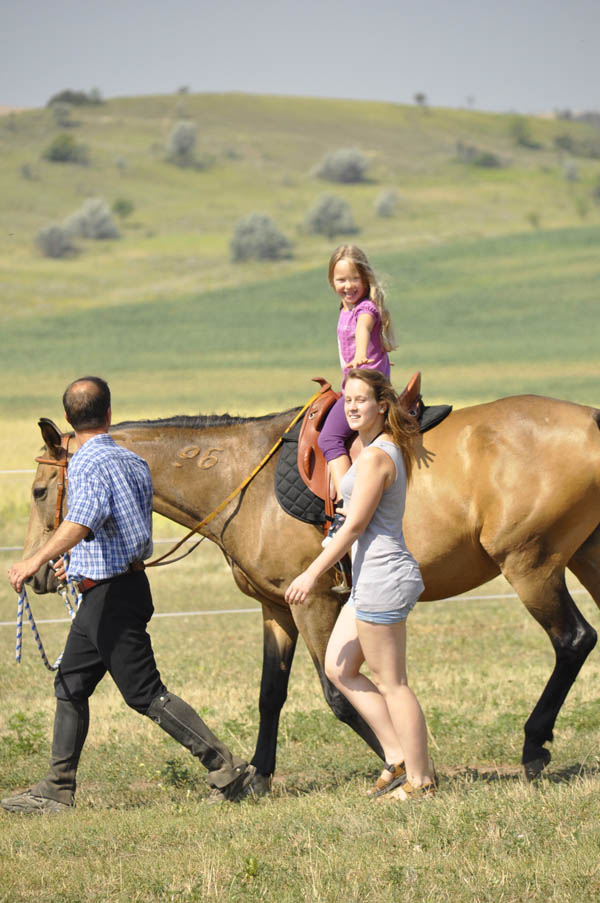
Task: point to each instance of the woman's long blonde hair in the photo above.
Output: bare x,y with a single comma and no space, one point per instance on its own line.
398,422
376,291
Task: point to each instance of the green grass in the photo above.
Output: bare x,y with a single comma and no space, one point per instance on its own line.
142,832
481,319
485,306
263,150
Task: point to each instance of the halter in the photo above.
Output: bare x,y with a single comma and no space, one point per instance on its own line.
62,462
70,596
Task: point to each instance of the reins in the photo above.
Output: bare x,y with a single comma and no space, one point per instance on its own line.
160,561
72,604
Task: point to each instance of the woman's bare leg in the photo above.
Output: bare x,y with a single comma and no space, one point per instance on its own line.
384,649
343,659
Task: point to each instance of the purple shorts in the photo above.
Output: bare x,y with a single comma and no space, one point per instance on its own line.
336,432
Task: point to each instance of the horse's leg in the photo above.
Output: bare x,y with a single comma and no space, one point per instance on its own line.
315,620
585,564
279,643
544,593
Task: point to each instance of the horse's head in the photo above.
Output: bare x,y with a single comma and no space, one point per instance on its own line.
48,500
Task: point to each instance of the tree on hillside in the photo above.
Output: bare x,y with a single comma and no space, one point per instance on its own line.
77,98
344,165
93,220
520,132
257,237
330,216
181,144
420,99
61,110
386,203
64,149
55,241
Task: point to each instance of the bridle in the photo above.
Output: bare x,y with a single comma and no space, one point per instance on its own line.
62,462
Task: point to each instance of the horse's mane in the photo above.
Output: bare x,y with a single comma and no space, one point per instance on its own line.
199,421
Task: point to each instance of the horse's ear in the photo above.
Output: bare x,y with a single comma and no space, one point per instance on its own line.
51,436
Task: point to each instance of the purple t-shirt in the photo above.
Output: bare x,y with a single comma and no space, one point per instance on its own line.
346,332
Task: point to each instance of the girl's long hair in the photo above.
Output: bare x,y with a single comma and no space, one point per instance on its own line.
402,426
376,291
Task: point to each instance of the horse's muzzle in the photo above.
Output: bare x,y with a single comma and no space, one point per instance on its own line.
43,581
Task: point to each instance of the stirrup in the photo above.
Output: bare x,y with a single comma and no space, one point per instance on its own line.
343,577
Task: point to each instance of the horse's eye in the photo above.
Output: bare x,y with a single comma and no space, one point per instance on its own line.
39,493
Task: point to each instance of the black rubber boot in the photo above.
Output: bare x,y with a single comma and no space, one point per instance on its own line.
184,724
56,792
71,724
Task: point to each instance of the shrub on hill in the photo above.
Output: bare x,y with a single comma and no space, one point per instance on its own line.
123,207
257,237
586,148
520,132
64,149
55,241
93,220
343,165
331,215
77,98
386,203
473,156
181,144
62,113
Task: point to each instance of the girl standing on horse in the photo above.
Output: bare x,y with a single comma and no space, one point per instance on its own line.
386,583
365,335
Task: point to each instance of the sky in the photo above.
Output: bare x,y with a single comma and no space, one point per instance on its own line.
530,56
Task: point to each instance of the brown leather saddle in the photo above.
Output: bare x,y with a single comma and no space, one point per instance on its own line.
312,466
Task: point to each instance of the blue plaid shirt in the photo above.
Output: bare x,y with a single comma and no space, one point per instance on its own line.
110,491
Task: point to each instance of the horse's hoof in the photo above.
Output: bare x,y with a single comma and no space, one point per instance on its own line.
534,767
261,784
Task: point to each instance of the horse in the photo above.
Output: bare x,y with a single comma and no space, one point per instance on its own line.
506,487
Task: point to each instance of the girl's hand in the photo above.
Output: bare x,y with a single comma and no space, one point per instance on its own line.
299,589
358,362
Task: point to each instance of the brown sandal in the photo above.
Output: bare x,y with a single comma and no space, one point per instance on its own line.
407,791
384,785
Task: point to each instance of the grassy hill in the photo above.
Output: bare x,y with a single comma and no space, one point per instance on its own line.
485,304
260,152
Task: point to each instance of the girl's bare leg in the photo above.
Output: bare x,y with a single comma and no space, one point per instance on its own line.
337,468
384,649
343,659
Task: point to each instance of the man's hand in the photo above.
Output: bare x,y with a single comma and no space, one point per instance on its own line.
64,538
20,571
59,569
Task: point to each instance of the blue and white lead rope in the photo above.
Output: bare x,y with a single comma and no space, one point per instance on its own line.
71,604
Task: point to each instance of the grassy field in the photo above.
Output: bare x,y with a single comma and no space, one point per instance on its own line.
485,305
141,830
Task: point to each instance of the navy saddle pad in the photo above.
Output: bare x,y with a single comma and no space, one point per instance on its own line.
291,491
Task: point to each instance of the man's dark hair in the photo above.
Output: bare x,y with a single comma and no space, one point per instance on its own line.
86,402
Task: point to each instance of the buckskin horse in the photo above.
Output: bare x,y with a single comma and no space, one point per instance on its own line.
511,487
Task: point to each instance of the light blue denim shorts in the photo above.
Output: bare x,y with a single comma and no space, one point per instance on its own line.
382,617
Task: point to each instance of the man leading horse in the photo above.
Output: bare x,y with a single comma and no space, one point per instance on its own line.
108,529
